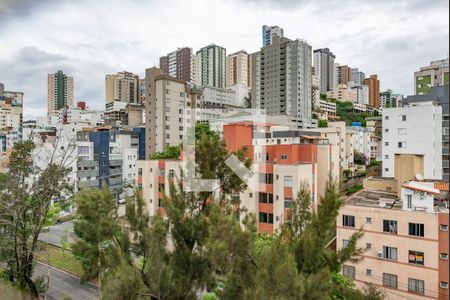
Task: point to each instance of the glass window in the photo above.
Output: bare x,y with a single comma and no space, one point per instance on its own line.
345,243
416,286
390,226
416,257
348,221
409,201
390,280
287,202
348,271
265,198
288,181
389,253
416,229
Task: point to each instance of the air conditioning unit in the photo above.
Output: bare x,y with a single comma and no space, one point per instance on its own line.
380,254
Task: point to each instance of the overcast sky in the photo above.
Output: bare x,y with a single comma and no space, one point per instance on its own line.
88,39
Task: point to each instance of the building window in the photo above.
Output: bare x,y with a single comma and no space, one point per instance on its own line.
386,143
443,227
390,280
416,257
402,145
386,169
402,131
348,221
443,285
345,243
287,202
368,246
416,229
390,226
265,217
266,178
409,201
160,203
443,256
389,253
386,117
368,220
171,173
386,156
265,198
402,118
416,286
386,130
287,181
284,156
267,156
348,271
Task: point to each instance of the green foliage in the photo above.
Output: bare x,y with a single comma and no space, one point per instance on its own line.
210,296
96,227
353,189
170,152
347,173
26,195
323,123
375,163
344,109
323,96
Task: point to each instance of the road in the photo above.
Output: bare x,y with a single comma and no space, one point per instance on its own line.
56,232
65,284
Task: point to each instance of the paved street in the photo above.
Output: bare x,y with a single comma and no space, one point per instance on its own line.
56,232
65,284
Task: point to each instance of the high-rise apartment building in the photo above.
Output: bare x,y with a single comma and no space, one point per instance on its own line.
238,70
374,90
343,92
268,32
324,69
60,91
182,64
344,74
212,65
123,86
389,99
438,95
282,79
436,74
167,100
414,129
358,76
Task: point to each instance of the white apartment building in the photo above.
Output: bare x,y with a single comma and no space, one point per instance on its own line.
413,129
223,97
327,106
361,92
360,139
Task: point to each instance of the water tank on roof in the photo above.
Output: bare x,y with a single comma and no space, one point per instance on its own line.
356,124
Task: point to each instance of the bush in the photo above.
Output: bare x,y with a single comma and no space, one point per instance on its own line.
354,189
323,123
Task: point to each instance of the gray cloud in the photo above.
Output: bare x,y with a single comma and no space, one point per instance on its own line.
87,41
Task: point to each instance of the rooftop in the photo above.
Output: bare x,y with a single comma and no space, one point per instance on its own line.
374,198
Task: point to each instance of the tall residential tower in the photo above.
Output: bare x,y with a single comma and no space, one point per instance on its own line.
60,91
212,65
324,68
181,64
268,32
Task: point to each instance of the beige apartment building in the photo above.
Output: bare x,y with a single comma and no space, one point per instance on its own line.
168,106
238,69
123,86
343,92
405,225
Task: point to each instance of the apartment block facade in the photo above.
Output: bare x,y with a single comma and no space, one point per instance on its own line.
343,74
324,69
238,69
413,129
343,92
168,103
405,240
440,96
436,74
358,76
268,32
212,60
374,90
59,91
282,80
123,86
182,64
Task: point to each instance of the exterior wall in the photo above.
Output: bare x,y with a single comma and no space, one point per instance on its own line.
123,86
344,74
358,76
212,60
406,167
443,249
181,64
324,69
237,69
436,74
373,234
268,32
343,92
380,184
60,91
374,90
420,133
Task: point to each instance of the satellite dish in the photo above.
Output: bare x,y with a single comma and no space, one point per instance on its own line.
419,177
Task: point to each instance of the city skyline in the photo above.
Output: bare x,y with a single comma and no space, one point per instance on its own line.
103,47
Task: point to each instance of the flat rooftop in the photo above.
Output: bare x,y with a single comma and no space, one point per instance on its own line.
374,198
